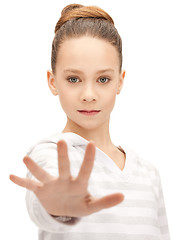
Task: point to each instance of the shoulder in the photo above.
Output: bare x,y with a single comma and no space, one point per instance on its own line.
45,144
142,165
44,152
46,148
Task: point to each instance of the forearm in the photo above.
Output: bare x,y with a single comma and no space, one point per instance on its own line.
37,212
43,219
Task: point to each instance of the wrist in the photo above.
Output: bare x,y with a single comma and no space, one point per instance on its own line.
66,219
62,218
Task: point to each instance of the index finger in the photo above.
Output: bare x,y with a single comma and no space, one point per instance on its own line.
88,162
38,172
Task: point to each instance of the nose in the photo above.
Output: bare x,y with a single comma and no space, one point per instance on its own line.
88,94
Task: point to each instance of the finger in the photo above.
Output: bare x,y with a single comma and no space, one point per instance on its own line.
105,202
25,183
87,164
63,160
36,170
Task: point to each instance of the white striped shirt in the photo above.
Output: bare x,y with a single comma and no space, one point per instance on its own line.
141,215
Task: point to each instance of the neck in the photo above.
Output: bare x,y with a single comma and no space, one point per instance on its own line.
100,135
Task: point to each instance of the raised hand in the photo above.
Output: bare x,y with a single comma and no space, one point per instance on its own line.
65,195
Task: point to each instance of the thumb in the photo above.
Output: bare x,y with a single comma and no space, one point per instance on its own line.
105,202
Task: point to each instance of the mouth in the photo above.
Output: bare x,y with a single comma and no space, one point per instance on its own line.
89,112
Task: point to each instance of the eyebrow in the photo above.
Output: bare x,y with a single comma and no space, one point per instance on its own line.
80,72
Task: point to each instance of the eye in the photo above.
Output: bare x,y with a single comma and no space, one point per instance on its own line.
104,79
72,79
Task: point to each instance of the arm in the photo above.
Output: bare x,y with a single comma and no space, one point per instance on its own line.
45,221
162,217
42,218
61,195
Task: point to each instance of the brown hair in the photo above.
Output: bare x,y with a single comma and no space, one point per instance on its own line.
77,20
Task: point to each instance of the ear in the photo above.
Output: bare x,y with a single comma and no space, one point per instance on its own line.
121,80
52,82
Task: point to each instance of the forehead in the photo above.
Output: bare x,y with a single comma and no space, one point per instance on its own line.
87,51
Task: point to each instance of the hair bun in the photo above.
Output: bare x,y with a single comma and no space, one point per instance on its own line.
70,7
80,11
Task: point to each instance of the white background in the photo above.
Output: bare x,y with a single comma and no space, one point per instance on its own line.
143,115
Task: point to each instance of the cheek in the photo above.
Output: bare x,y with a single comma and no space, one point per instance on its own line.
66,97
109,100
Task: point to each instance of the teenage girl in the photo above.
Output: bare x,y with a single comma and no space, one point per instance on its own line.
79,184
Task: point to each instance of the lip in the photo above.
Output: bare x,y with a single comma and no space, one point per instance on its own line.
89,112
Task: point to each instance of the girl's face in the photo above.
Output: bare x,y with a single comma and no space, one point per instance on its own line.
87,78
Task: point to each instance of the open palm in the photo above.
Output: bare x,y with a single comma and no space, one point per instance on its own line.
65,195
